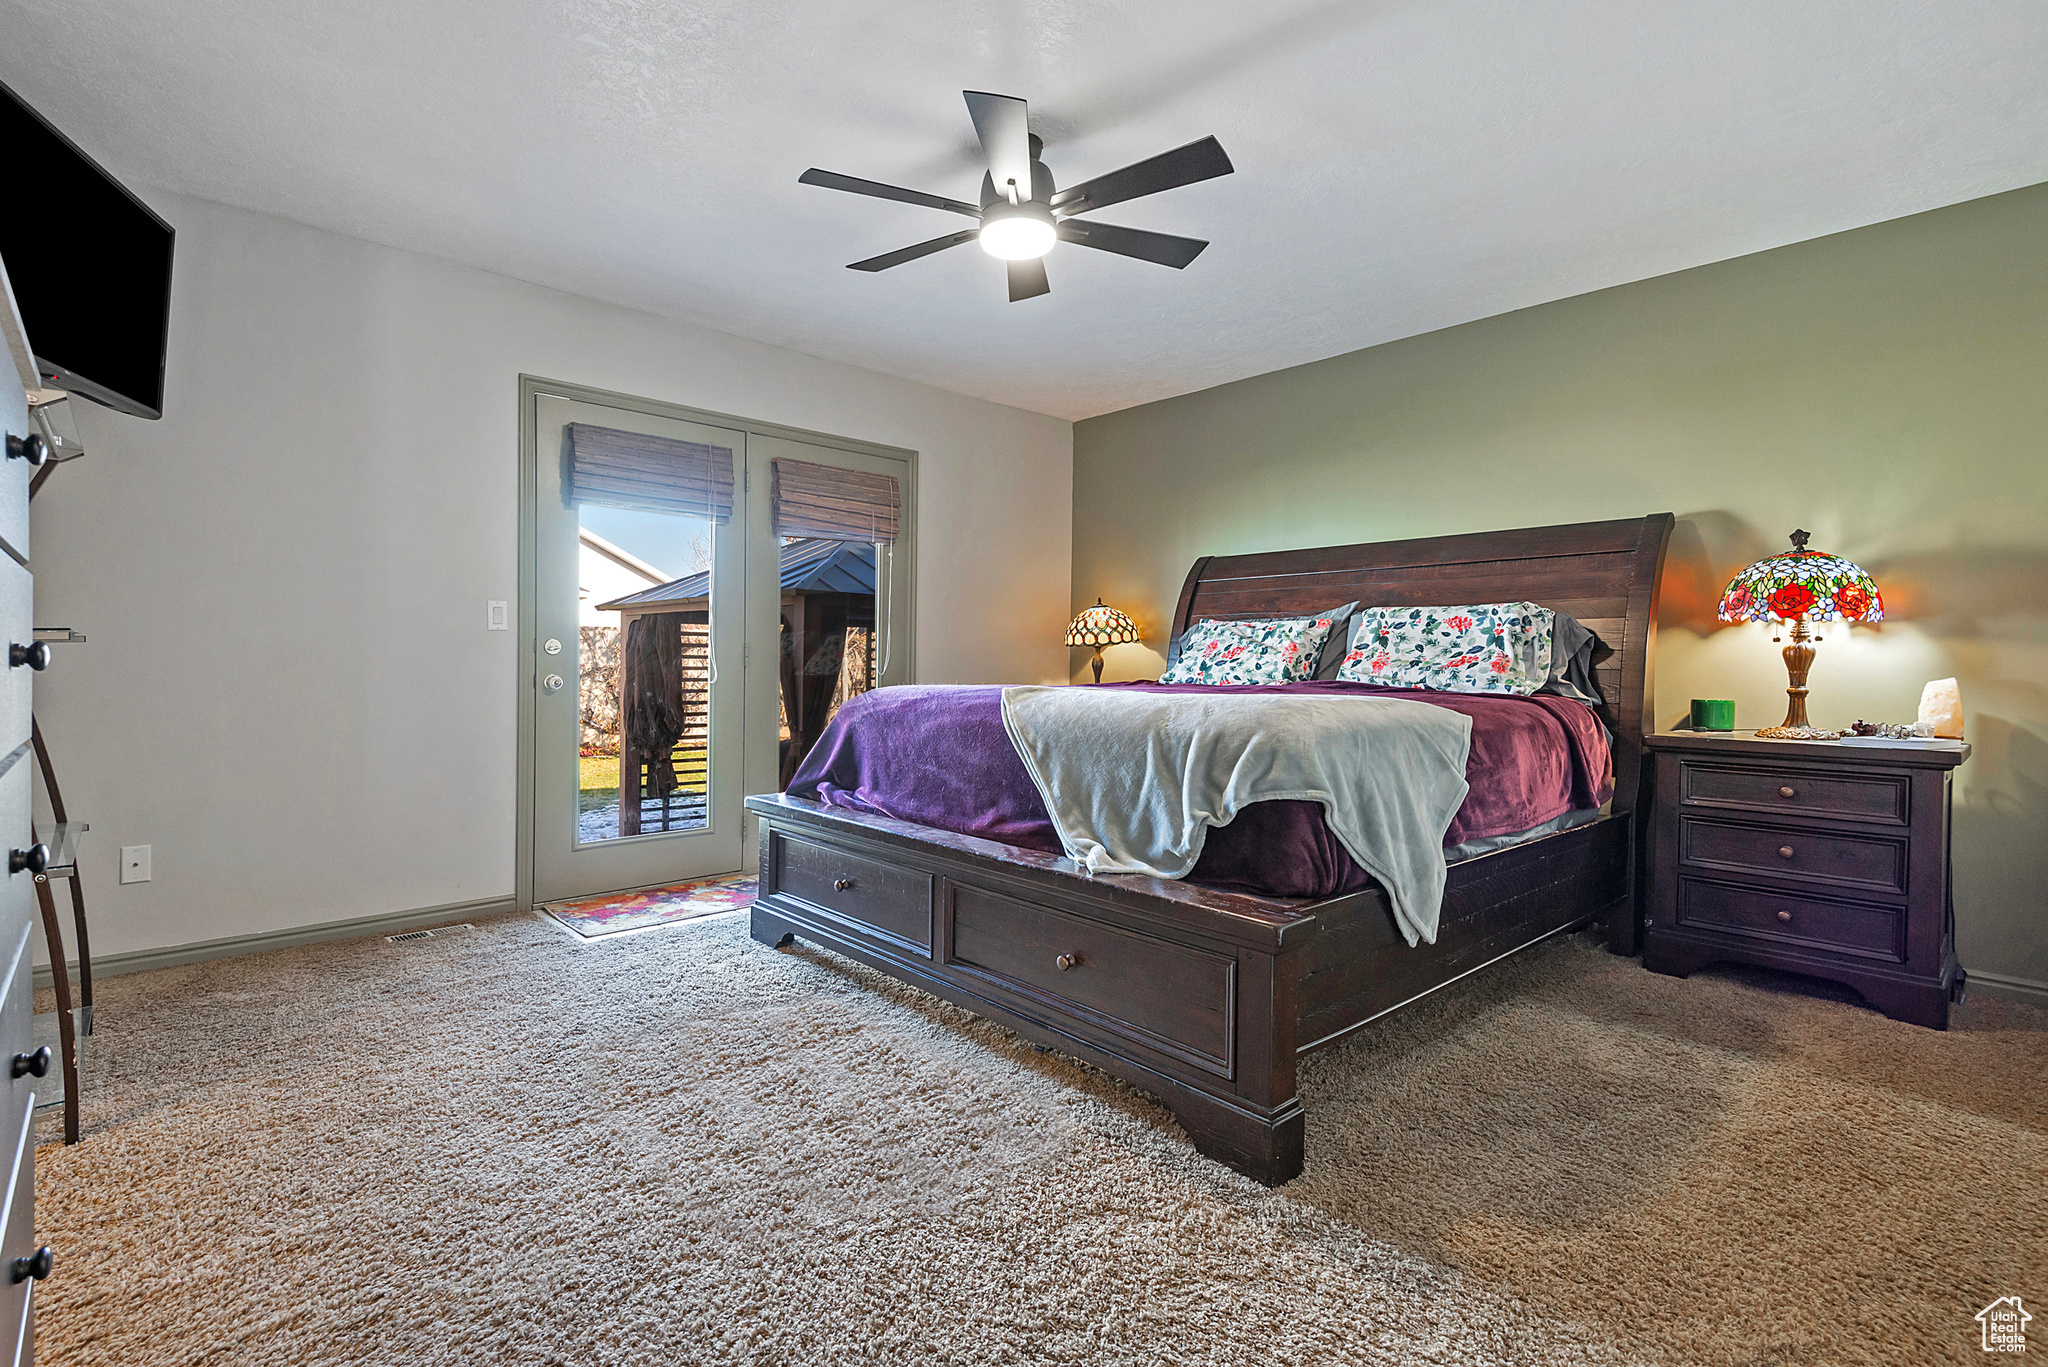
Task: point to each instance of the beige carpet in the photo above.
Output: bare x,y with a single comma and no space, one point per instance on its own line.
681,1147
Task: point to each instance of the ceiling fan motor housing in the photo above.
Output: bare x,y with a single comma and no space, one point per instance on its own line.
1042,187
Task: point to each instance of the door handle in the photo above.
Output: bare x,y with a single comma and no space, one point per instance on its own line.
551,684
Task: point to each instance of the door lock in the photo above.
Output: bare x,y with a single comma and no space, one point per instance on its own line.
552,683
551,646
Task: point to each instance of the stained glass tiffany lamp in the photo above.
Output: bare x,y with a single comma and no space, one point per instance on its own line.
1098,627
1800,586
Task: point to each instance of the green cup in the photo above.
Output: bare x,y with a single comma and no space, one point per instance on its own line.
1713,714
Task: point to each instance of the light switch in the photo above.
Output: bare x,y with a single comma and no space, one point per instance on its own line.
497,617
135,863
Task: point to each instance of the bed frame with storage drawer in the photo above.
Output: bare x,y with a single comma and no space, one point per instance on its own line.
1207,999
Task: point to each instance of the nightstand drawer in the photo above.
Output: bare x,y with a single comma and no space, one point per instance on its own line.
1804,791
1861,863
1869,931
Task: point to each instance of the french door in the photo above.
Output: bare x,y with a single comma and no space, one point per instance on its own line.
698,595
637,640
833,604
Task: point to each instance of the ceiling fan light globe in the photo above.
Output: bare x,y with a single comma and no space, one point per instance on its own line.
1020,233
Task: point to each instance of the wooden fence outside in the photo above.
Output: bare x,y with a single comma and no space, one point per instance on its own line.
687,807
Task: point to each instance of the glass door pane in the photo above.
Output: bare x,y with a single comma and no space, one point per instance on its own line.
643,633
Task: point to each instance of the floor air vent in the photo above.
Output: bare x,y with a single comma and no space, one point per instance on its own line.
409,936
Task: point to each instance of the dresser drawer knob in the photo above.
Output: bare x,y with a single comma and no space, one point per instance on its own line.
841,884
33,1065
36,1265
35,859
1784,851
1067,961
36,655
31,448
1785,792
1784,916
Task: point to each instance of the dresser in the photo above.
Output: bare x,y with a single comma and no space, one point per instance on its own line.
1807,856
22,1263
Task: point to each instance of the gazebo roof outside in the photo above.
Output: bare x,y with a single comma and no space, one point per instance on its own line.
809,565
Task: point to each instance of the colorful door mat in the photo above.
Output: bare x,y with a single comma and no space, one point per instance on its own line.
617,912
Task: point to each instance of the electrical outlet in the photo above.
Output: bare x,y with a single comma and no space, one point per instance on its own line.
135,863
497,615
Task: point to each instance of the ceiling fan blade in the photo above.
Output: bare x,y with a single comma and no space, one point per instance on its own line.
897,258
1163,248
1201,160
1027,279
832,180
1002,124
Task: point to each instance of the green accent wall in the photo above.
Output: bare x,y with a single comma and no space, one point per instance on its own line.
1886,389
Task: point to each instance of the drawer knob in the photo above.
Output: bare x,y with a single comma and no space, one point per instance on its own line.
35,859
33,1065
36,1265
1785,792
841,884
31,448
36,656
1784,851
1067,961
1784,916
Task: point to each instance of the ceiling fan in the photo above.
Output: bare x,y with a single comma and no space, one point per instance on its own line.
1023,213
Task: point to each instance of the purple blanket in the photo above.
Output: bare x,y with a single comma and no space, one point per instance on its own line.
939,756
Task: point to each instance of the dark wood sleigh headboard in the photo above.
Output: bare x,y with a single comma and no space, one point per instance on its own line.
1603,573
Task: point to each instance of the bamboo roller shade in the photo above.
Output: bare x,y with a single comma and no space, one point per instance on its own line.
654,474
837,505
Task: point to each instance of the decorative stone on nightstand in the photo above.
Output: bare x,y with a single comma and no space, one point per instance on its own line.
1808,856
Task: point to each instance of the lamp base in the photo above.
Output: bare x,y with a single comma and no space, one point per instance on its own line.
1798,659
1098,664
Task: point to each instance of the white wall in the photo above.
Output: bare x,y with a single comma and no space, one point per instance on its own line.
262,699
600,578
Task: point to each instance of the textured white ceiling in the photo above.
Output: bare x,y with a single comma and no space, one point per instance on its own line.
1402,165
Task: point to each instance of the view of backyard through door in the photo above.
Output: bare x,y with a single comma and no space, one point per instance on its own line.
643,672
705,599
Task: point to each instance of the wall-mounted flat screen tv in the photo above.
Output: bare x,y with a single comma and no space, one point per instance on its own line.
90,265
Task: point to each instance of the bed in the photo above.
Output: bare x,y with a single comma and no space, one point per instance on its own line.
1202,996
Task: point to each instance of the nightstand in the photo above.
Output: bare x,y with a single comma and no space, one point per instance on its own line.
1808,856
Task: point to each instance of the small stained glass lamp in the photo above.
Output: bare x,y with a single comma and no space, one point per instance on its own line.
1800,586
1098,627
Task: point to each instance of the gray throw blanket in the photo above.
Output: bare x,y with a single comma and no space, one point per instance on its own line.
1134,780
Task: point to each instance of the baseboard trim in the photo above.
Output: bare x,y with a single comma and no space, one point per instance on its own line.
2017,989
233,946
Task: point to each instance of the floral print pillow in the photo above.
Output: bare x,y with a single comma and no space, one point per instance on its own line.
1275,651
1483,648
